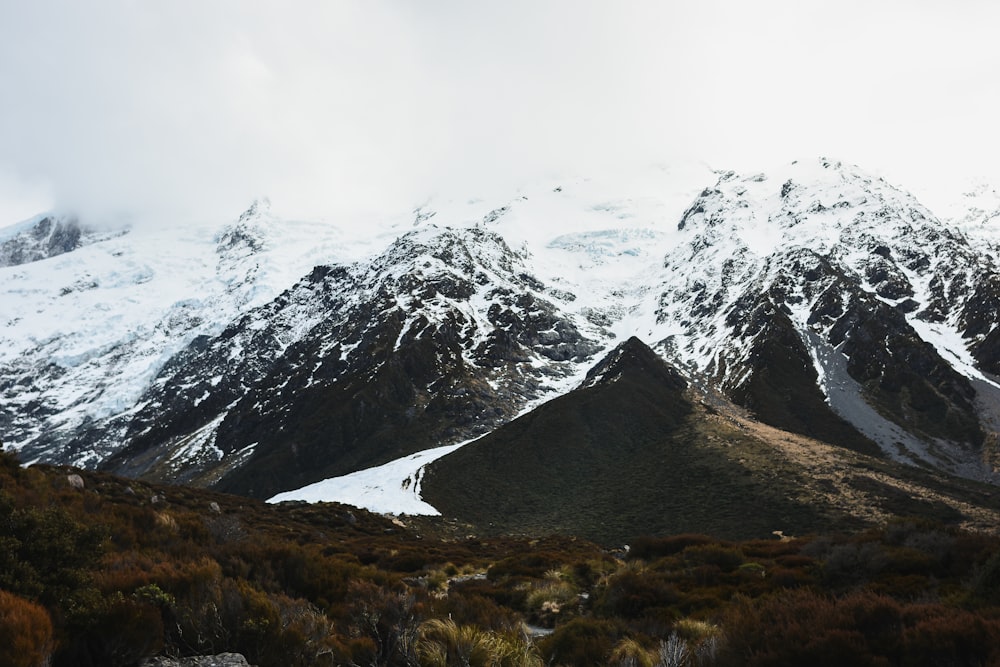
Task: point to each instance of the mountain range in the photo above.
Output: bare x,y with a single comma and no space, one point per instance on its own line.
811,339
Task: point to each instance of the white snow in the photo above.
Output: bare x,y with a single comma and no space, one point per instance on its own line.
952,348
392,488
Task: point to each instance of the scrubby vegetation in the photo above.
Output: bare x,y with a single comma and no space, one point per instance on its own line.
120,570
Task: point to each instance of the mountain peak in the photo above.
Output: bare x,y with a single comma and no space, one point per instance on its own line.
806,202
249,234
259,208
631,358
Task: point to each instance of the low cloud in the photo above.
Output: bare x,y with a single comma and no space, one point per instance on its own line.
161,111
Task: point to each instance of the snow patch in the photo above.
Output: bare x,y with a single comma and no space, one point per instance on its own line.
392,488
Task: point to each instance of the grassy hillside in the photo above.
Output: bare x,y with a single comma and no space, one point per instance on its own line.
614,461
638,454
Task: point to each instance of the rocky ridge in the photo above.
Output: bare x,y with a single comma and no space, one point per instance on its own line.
442,337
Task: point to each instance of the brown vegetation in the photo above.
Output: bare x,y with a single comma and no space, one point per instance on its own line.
104,575
25,632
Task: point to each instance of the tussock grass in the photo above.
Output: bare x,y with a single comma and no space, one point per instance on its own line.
443,643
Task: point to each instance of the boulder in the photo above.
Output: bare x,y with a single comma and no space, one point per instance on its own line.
220,660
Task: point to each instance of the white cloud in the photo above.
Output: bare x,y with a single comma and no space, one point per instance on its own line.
20,199
160,110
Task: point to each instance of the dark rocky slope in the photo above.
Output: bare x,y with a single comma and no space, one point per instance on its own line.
626,454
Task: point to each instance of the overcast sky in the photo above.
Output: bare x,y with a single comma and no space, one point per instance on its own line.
177,108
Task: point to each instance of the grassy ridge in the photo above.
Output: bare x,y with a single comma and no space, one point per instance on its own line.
610,463
635,453
631,455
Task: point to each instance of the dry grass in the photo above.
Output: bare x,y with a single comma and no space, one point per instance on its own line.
824,470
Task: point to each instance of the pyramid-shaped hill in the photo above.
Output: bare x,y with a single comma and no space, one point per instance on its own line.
628,453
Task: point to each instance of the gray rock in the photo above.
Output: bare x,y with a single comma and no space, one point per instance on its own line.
75,481
220,660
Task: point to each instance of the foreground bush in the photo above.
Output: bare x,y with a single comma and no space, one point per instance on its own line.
25,632
105,576
807,628
582,641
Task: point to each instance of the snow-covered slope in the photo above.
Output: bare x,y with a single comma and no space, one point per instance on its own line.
264,353
85,332
391,488
976,213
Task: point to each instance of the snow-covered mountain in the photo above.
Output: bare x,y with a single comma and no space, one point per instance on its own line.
267,354
87,331
820,275
976,213
45,236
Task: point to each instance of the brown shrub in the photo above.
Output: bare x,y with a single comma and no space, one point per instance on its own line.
513,597
583,642
725,557
797,561
799,627
473,609
938,635
531,565
121,631
775,548
878,618
389,618
785,577
408,560
631,594
905,587
25,632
